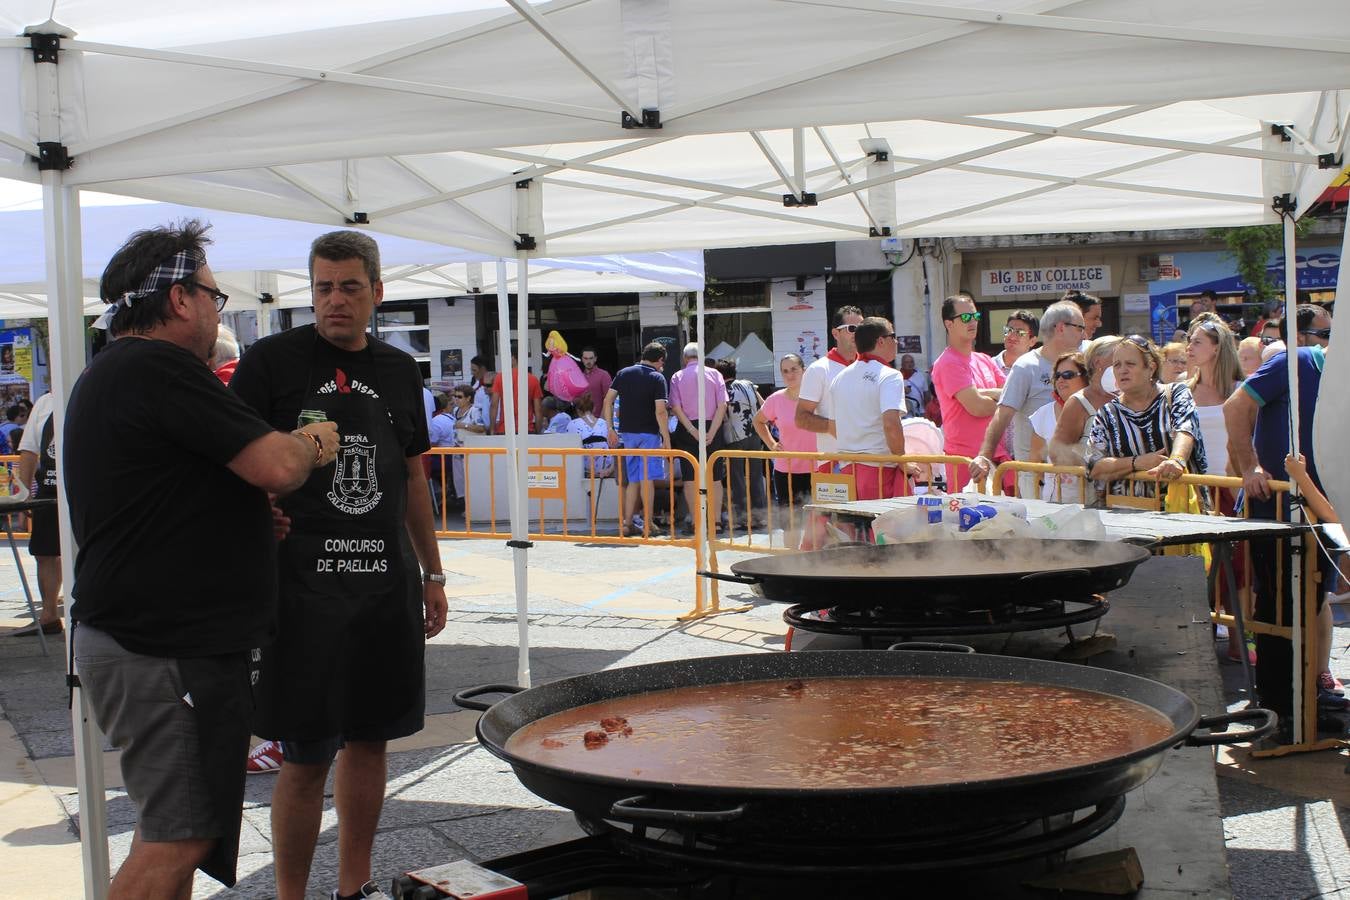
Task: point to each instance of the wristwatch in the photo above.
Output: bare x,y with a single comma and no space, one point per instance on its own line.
437,577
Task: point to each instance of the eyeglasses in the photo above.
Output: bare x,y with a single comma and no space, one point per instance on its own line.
215,294
1267,340
1080,326
1323,333
1070,373
1141,342
966,318
890,335
1208,325
849,328
1024,332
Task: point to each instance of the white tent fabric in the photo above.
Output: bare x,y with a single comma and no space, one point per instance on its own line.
1000,116
247,247
495,127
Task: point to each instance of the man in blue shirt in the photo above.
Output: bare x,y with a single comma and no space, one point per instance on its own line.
1257,416
644,424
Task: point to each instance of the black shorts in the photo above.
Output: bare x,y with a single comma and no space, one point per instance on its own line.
44,538
683,440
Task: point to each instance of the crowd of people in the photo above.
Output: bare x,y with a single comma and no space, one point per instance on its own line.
307,456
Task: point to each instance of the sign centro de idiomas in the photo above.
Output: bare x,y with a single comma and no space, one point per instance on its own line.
1046,280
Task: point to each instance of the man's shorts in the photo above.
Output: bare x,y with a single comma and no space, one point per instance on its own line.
312,753
642,468
688,442
142,704
44,538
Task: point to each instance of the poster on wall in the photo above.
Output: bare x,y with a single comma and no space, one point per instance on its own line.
667,336
810,346
16,366
452,364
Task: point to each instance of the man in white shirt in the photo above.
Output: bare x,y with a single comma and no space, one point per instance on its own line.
1029,388
869,401
813,400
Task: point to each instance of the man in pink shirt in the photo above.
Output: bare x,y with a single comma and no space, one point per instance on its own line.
598,381
684,388
968,386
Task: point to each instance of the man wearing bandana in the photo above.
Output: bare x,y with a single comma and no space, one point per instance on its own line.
346,673
167,475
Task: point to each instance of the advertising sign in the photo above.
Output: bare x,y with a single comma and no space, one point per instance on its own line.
1045,280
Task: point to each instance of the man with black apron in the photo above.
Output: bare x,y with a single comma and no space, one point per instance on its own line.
346,672
167,475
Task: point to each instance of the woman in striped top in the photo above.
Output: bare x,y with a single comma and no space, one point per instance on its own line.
1149,428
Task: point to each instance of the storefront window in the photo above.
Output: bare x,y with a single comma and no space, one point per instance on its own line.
746,339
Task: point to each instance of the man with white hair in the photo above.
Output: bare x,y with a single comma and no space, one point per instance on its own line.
684,391
1029,387
225,356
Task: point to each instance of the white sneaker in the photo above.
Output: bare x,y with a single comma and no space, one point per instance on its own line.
370,891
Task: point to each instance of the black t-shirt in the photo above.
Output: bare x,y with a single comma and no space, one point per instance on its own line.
176,555
639,387
273,377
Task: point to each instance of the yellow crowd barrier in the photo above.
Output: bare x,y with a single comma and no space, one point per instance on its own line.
554,472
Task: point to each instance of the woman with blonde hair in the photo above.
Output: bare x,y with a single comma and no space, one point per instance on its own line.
1211,355
1069,444
1175,367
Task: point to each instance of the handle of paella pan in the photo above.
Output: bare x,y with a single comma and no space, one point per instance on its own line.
463,699
1054,573
734,579
1266,720
633,809
932,647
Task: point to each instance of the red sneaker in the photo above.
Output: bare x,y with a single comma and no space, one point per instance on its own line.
264,758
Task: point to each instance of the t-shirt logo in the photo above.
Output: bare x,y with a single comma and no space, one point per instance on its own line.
356,487
341,380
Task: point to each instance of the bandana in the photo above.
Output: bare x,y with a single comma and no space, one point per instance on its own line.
172,270
838,357
866,357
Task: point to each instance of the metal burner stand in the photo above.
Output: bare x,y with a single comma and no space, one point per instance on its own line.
873,622
615,856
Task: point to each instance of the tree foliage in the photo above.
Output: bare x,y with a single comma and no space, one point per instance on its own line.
1250,247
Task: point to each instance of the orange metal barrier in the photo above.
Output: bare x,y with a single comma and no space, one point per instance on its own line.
552,474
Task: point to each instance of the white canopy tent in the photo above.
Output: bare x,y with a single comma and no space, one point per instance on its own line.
499,130
254,253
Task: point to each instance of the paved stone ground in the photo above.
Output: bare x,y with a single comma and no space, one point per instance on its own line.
592,607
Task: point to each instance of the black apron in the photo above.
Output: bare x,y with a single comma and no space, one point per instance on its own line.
46,467
348,661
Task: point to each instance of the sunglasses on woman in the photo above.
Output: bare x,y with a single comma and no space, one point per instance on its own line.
1070,373
966,317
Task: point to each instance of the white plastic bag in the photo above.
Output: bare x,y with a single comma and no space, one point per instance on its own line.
1070,522
903,524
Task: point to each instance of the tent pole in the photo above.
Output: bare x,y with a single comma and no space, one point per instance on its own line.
520,514
65,293
1295,510
513,481
61,221
701,532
